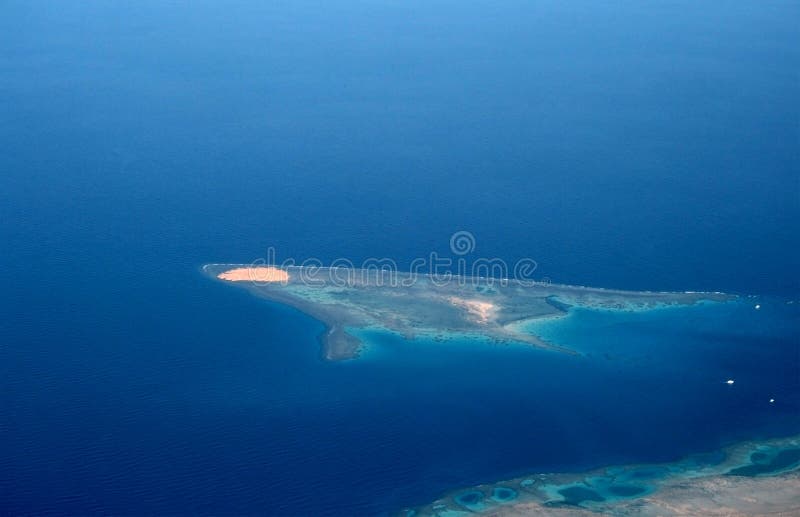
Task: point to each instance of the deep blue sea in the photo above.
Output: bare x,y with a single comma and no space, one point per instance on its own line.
635,146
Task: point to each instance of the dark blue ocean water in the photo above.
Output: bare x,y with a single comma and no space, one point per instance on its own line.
636,146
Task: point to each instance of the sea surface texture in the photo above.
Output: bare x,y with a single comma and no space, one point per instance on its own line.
634,146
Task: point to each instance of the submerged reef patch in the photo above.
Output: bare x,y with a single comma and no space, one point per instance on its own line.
471,500
575,495
503,494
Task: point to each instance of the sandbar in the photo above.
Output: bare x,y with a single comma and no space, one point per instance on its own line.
257,274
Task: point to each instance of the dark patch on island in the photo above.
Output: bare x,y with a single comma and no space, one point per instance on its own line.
561,306
783,460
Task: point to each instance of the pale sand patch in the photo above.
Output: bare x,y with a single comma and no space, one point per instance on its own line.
255,274
481,311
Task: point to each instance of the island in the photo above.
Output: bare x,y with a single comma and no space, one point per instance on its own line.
413,305
748,478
